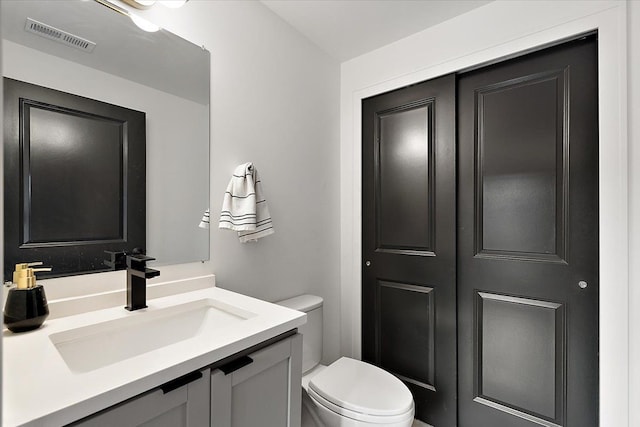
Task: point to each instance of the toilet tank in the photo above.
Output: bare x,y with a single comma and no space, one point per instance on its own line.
311,331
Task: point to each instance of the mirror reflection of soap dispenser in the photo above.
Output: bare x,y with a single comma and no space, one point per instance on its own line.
26,307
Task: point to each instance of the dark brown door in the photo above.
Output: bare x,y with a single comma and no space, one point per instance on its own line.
528,240
408,244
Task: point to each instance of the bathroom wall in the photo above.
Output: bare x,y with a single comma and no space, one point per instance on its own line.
275,102
179,241
633,49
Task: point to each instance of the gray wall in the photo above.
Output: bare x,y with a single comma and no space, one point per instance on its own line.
633,49
274,102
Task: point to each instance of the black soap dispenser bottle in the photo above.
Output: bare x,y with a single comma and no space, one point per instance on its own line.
26,307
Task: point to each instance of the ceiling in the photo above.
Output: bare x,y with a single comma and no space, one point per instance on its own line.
122,49
346,29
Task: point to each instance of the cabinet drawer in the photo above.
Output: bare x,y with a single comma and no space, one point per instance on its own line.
176,406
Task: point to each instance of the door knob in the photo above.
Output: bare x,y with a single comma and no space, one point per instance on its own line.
367,263
582,284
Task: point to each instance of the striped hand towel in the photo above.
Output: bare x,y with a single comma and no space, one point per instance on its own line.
244,208
204,222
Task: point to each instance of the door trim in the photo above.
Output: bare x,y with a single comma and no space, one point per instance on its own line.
516,35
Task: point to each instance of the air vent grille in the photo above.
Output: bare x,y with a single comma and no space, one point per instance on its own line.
53,33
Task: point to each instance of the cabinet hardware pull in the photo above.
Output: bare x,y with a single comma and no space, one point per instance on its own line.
180,381
234,365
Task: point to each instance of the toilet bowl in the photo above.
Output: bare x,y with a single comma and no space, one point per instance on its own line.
348,392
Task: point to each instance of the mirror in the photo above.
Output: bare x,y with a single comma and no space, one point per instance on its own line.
106,57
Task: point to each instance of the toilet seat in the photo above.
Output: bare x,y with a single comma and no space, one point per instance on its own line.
361,391
366,418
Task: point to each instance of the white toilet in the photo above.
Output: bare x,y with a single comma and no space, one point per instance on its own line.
349,392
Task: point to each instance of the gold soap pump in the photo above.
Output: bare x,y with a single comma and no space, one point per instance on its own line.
26,307
24,276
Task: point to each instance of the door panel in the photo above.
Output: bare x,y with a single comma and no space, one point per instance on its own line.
517,181
408,289
400,342
405,199
532,330
527,235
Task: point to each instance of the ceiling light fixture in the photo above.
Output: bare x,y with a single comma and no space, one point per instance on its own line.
146,4
143,24
173,4
140,4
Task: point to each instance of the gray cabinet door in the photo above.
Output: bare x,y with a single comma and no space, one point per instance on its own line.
185,406
265,392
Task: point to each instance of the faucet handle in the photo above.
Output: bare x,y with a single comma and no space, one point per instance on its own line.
138,262
140,257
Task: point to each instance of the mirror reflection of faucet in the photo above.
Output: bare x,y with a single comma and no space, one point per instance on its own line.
116,261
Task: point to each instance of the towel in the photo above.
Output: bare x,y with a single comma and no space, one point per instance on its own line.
244,208
204,222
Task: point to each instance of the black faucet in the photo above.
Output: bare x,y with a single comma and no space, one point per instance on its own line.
137,275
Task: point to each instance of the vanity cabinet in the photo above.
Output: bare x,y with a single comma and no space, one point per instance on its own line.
183,402
262,388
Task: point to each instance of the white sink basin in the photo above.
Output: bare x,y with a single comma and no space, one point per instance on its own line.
91,347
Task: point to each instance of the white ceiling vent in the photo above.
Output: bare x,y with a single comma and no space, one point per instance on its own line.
52,33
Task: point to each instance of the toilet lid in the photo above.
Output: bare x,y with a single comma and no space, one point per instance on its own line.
362,388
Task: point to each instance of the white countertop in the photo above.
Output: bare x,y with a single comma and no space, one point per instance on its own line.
39,389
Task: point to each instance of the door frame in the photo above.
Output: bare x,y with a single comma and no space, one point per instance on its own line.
529,26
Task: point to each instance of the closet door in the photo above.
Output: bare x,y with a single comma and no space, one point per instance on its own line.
528,240
408,243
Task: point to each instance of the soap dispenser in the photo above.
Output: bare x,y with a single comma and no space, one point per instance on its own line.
26,307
